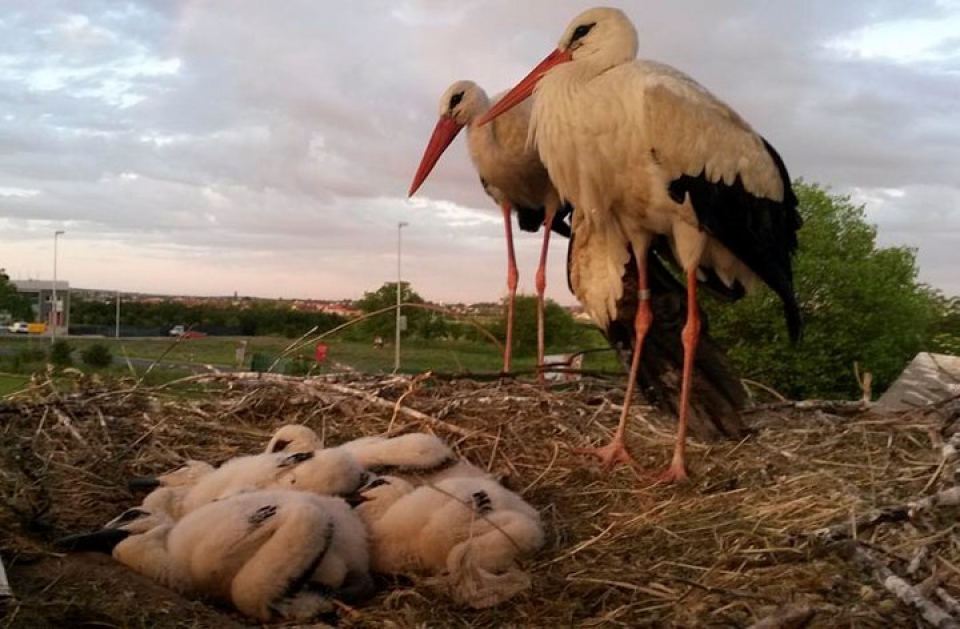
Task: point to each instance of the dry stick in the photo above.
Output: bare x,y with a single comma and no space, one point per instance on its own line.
787,617
952,605
898,513
379,401
908,594
351,322
65,421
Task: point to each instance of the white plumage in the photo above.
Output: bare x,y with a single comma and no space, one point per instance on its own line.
326,472
417,457
469,533
510,172
272,554
642,150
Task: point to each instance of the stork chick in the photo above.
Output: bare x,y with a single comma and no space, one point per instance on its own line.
326,472
272,554
417,457
170,489
465,533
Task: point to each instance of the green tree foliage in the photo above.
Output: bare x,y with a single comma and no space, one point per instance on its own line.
861,303
561,331
97,355
248,318
946,339
420,322
61,353
18,307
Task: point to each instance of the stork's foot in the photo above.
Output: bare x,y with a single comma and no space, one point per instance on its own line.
611,455
676,473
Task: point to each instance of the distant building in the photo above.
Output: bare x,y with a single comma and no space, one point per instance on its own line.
40,293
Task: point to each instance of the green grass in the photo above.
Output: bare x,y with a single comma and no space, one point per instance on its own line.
10,383
417,356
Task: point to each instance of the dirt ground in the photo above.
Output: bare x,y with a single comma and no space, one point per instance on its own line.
732,547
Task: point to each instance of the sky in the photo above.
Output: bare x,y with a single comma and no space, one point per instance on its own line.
212,147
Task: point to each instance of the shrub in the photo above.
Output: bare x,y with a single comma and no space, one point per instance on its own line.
60,353
97,355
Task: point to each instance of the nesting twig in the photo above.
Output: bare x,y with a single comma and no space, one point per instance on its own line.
898,513
904,591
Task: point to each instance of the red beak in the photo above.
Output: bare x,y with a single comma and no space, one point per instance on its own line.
524,88
443,134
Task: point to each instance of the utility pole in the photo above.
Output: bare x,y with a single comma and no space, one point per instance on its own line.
54,318
396,347
117,332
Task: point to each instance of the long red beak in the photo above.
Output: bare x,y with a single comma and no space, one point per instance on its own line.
524,88
443,134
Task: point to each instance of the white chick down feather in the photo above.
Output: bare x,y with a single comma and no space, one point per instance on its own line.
272,554
468,534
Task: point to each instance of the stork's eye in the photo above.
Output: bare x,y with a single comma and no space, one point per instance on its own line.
130,515
581,31
455,99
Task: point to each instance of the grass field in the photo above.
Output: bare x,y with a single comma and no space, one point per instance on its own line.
417,356
12,382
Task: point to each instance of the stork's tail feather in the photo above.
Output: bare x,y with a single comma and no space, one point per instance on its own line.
718,396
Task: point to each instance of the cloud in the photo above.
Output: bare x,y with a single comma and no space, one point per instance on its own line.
212,146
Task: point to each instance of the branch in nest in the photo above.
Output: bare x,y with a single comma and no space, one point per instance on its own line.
831,406
904,591
899,513
409,412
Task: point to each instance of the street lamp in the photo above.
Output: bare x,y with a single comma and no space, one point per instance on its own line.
53,305
396,346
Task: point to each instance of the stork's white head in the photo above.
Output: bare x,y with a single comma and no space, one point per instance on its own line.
602,35
293,438
460,104
463,101
379,495
598,39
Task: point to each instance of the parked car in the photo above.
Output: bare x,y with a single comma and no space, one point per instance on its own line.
19,327
177,330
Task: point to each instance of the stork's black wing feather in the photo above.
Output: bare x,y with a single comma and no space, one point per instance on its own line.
761,232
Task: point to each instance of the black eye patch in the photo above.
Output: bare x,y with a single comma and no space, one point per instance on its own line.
377,482
280,445
295,459
130,515
581,31
455,99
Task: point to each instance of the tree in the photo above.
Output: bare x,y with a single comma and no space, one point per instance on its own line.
561,332
383,325
861,303
16,305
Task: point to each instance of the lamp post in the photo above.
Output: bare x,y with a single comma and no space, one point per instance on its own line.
396,346
117,330
53,298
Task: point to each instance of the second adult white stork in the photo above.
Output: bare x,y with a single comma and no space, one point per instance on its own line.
641,150
511,173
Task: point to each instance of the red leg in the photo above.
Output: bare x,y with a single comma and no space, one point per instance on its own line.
691,335
541,284
616,451
512,277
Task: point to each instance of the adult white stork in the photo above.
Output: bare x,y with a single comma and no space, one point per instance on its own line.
641,150
511,173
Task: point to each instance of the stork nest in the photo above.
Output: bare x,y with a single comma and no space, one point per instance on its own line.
737,545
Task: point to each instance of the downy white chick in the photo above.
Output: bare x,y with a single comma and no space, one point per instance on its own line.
293,438
169,489
419,457
272,554
327,472
467,532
